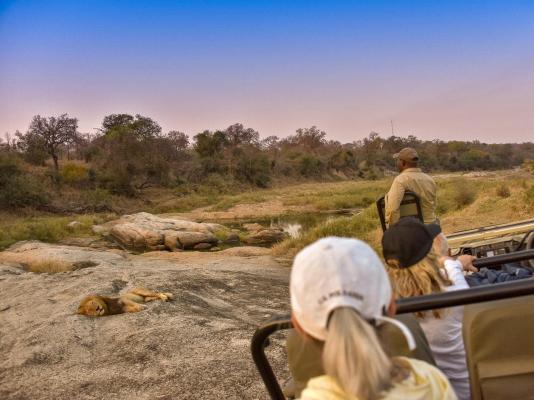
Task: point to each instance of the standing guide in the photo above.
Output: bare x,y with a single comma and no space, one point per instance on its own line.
413,179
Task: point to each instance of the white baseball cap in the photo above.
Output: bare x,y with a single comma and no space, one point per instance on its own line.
340,272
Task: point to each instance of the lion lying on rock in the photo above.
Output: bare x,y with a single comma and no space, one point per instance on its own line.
99,306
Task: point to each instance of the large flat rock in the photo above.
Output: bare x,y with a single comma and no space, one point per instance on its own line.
195,347
37,255
144,231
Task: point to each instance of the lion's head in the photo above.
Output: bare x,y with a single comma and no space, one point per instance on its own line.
94,306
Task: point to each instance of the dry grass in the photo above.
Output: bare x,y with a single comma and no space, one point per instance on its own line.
456,209
50,266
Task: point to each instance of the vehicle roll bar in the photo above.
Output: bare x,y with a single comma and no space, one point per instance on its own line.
504,258
478,294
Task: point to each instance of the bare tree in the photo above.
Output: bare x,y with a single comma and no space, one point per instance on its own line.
55,132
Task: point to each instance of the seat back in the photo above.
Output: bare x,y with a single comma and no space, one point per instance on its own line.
499,344
410,207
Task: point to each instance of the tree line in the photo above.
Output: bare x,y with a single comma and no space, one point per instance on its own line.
129,153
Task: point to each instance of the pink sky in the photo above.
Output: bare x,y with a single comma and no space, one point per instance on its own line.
464,72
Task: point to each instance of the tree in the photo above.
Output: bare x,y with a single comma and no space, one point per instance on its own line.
131,154
178,140
54,132
33,148
143,128
237,135
311,139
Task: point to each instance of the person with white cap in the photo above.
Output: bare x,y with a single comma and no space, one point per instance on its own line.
411,178
418,264
340,293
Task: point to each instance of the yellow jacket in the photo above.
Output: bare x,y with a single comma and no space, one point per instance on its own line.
415,180
425,382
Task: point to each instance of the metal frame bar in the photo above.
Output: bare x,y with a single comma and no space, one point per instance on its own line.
479,294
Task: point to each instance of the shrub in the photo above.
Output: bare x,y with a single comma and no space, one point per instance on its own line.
503,191
74,174
464,194
17,188
528,165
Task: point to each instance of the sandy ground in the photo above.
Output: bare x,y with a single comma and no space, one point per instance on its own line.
195,347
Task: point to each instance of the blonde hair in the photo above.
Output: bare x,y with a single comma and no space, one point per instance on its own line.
440,245
425,277
354,357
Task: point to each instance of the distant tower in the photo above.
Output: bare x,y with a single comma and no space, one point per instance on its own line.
392,130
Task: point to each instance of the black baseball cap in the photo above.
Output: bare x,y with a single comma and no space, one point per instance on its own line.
408,241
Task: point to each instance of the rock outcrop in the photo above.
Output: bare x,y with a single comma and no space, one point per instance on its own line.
147,232
194,347
44,257
260,236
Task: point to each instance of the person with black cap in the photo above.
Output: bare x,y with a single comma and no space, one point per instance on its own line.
415,269
411,178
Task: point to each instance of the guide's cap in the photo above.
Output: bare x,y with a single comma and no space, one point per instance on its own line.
409,241
340,272
407,154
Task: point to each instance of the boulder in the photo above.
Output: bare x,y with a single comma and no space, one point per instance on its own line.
203,246
136,236
266,237
232,239
144,231
73,225
171,242
255,227
154,222
190,239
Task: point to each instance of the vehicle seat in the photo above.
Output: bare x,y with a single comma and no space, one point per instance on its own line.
499,344
410,206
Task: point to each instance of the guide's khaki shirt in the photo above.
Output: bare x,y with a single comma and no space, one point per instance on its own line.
415,180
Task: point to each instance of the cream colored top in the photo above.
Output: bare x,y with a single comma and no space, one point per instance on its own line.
415,180
424,382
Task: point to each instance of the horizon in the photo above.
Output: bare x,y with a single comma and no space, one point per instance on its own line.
460,71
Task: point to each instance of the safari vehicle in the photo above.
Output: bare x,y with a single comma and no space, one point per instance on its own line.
498,319
481,242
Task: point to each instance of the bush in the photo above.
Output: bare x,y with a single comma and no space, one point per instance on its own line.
528,165
46,229
464,194
503,191
17,188
74,174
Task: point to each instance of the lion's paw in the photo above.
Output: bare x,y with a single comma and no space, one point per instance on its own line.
166,296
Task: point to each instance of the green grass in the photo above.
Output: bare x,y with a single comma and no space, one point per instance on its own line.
363,226
456,209
45,228
463,202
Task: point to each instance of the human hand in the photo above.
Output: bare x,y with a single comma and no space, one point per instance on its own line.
467,262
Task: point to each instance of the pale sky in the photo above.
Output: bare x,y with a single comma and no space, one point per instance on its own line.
460,70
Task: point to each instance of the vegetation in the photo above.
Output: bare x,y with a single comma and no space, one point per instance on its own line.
130,165
44,228
483,208
130,155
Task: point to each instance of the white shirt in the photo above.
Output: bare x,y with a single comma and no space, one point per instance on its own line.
445,335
